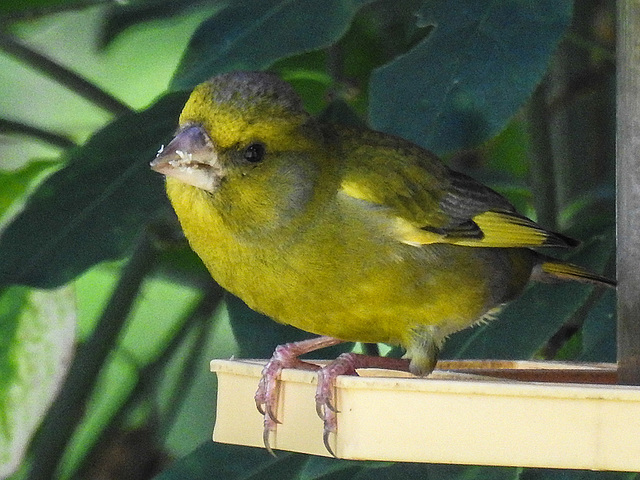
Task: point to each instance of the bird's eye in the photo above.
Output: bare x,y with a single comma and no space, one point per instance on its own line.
254,153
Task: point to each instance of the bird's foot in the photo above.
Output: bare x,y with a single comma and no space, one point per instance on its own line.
345,364
285,356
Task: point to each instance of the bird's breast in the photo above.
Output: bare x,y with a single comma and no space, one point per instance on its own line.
345,277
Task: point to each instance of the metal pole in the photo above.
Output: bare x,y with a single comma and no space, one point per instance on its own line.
628,191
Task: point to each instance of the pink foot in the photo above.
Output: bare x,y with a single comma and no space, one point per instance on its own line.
285,356
345,364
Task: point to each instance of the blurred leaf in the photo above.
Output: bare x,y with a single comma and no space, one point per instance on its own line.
308,76
94,208
140,376
553,474
381,31
36,343
339,112
253,34
193,422
14,184
590,211
599,331
462,84
19,6
181,264
325,468
114,385
527,323
245,323
508,152
230,462
123,15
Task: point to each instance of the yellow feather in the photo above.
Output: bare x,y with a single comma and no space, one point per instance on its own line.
342,232
499,230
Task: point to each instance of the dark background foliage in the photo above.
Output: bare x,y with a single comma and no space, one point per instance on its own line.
518,94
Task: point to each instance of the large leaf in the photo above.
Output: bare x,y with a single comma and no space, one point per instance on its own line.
325,468
15,184
94,208
253,34
246,322
24,6
554,474
461,85
228,462
36,342
599,331
124,15
233,462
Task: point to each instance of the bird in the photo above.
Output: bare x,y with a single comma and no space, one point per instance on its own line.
344,232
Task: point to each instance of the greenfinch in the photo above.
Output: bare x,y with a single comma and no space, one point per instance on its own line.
348,233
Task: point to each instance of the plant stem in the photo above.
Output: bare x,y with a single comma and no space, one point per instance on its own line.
149,374
68,408
541,164
9,126
558,340
62,75
201,316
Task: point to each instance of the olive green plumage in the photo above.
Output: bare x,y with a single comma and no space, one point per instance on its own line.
343,232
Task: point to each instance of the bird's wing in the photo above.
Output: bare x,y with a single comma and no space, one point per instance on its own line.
431,203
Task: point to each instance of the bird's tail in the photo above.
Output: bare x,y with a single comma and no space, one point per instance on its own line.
550,269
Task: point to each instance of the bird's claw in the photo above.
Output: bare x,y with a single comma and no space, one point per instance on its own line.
266,433
285,356
325,408
330,419
327,445
264,403
266,398
345,364
322,405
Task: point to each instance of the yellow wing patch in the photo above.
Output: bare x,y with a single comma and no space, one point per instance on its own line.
357,190
507,229
499,230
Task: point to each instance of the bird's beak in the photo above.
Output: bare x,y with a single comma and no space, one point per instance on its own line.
191,158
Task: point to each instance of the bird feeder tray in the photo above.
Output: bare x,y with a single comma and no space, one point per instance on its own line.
509,413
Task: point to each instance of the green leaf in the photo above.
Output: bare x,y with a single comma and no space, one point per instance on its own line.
326,468
231,462
246,322
599,331
94,208
123,15
15,184
36,341
379,33
339,112
307,74
21,6
253,34
555,474
461,85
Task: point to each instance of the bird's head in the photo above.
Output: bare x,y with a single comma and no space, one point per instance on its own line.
239,124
